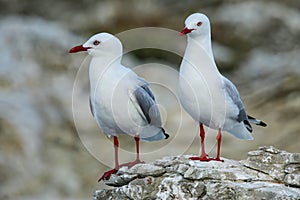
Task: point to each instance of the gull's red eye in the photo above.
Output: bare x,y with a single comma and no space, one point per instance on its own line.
199,23
96,42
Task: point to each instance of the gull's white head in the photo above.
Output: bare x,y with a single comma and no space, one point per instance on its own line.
99,45
196,25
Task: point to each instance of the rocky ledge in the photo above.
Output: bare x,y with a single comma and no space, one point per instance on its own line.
267,173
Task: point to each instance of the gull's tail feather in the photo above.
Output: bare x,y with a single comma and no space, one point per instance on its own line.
240,131
151,133
257,121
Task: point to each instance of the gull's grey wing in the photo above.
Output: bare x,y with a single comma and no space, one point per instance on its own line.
146,102
234,94
145,85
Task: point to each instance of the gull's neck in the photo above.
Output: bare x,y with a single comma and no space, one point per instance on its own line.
104,67
199,56
203,41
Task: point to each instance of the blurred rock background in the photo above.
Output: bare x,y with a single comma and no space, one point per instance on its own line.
256,44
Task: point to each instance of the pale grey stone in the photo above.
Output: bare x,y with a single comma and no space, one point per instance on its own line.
292,179
267,173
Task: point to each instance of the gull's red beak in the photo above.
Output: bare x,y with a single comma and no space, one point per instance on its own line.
78,48
185,31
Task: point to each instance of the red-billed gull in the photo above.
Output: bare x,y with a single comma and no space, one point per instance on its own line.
121,102
209,97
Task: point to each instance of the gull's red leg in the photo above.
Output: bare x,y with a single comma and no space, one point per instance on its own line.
137,160
116,146
137,146
219,139
203,156
202,136
107,174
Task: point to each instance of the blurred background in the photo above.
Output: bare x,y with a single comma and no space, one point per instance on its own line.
256,44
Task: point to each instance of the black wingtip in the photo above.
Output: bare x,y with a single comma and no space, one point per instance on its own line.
166,135
248,126
257,121
261,123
